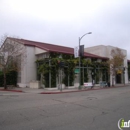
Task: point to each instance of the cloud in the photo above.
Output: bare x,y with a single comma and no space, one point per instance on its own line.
63,21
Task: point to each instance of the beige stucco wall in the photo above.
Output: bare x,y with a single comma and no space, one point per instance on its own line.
28,71
99,50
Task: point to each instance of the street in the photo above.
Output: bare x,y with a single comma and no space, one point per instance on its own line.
88,110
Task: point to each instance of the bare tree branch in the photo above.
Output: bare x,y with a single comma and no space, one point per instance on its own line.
12,55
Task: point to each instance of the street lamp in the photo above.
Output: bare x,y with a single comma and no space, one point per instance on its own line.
93,82
124,74
60,75
79,58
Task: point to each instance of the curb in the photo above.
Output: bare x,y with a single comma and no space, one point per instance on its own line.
71,91
12,90
61,92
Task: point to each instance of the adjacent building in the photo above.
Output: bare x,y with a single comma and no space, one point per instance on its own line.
102,50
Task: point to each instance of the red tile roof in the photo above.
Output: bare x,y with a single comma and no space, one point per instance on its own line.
55,48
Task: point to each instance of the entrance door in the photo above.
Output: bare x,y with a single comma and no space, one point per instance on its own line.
118,78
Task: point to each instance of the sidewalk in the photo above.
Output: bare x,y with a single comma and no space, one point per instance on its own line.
45,91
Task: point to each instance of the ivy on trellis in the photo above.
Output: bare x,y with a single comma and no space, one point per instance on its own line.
51,65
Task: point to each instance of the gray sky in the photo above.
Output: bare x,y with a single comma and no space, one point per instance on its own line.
62,22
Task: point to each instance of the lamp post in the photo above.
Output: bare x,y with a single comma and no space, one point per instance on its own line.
79,58
60,76
124,74
92,74
49,74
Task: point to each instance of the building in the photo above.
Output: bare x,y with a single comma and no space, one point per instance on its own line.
34,51
102,50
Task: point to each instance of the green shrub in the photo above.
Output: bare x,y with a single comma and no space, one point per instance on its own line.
11,78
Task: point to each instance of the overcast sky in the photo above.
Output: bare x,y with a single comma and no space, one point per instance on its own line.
62,22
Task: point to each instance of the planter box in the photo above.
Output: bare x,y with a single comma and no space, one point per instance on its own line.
34,84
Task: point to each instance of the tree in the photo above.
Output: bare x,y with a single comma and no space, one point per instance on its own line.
116,62
11,55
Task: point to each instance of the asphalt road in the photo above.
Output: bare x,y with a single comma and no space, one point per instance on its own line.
89,110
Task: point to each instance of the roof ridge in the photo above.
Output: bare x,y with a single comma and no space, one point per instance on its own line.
46,43
53,47
59,46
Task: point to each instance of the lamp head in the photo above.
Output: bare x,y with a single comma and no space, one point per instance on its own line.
89,32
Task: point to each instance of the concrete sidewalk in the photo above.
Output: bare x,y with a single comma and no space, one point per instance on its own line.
55,91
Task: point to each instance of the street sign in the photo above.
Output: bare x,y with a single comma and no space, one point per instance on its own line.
76,71
76,51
